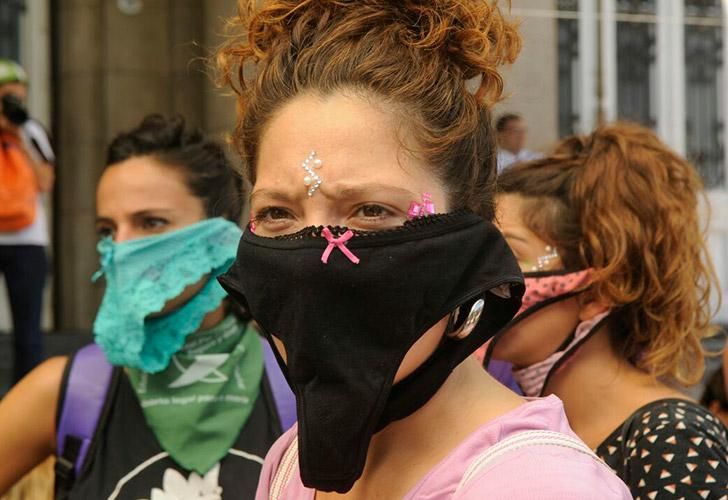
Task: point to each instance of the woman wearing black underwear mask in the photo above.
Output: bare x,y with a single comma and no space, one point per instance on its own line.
370,260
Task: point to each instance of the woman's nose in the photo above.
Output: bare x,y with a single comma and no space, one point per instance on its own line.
124,233
322,214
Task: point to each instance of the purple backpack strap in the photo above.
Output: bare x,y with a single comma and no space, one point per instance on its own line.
282,394
88,383
502,371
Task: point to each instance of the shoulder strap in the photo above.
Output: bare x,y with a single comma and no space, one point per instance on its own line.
283,472
520,440
288,462
88,383
282,394
37,136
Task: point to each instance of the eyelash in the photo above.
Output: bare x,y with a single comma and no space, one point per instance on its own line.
385,211
148,224
269,212
154,222
276,219
104,231
264,215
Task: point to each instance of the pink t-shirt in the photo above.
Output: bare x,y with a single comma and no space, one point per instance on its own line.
528,473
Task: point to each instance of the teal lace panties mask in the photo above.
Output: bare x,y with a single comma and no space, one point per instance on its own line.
142,275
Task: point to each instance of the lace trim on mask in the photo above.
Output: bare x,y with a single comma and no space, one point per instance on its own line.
169,333
170,277
316,232
164,281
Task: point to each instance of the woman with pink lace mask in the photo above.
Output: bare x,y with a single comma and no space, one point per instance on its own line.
618,280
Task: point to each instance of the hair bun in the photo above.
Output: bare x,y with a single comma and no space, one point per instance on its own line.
472,35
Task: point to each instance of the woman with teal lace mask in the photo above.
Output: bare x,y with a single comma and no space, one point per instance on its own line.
186,405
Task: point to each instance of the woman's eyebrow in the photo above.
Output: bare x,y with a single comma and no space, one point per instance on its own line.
340,191
272,194
360,190
152,211
104,220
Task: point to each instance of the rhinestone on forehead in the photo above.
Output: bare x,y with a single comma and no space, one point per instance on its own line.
311,180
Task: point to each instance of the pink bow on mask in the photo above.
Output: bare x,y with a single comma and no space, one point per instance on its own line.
339,243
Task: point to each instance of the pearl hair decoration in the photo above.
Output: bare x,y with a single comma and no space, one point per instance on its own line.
545,260
311,180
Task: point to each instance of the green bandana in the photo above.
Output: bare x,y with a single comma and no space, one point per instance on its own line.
197,406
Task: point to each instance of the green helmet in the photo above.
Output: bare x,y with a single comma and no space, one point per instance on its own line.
12,72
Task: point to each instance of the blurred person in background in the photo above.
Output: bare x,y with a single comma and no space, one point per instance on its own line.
618,282
511,133
26,172
178,397
715,396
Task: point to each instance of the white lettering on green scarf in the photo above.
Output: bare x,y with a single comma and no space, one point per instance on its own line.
199,404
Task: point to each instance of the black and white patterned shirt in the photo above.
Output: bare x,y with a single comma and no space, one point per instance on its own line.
670,448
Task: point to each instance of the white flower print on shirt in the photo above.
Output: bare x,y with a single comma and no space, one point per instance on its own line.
176,487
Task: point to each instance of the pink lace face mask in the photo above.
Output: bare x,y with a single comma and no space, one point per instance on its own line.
542,290
533,379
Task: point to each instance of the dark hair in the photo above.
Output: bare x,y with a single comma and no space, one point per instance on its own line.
505,119
202,161
416,55
715,390
621,202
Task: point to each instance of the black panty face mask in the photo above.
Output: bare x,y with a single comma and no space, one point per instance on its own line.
347,307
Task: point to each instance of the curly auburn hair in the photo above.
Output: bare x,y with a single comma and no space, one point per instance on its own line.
621,202
416,56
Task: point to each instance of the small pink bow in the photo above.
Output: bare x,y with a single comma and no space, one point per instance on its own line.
339,242
421,209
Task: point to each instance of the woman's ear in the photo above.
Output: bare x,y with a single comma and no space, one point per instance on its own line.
589,308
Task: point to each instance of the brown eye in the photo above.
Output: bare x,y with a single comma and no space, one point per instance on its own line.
272,213
154,223
374,211
104,231
271,221
373,217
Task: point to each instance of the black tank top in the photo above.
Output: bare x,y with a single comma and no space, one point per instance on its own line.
126,462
